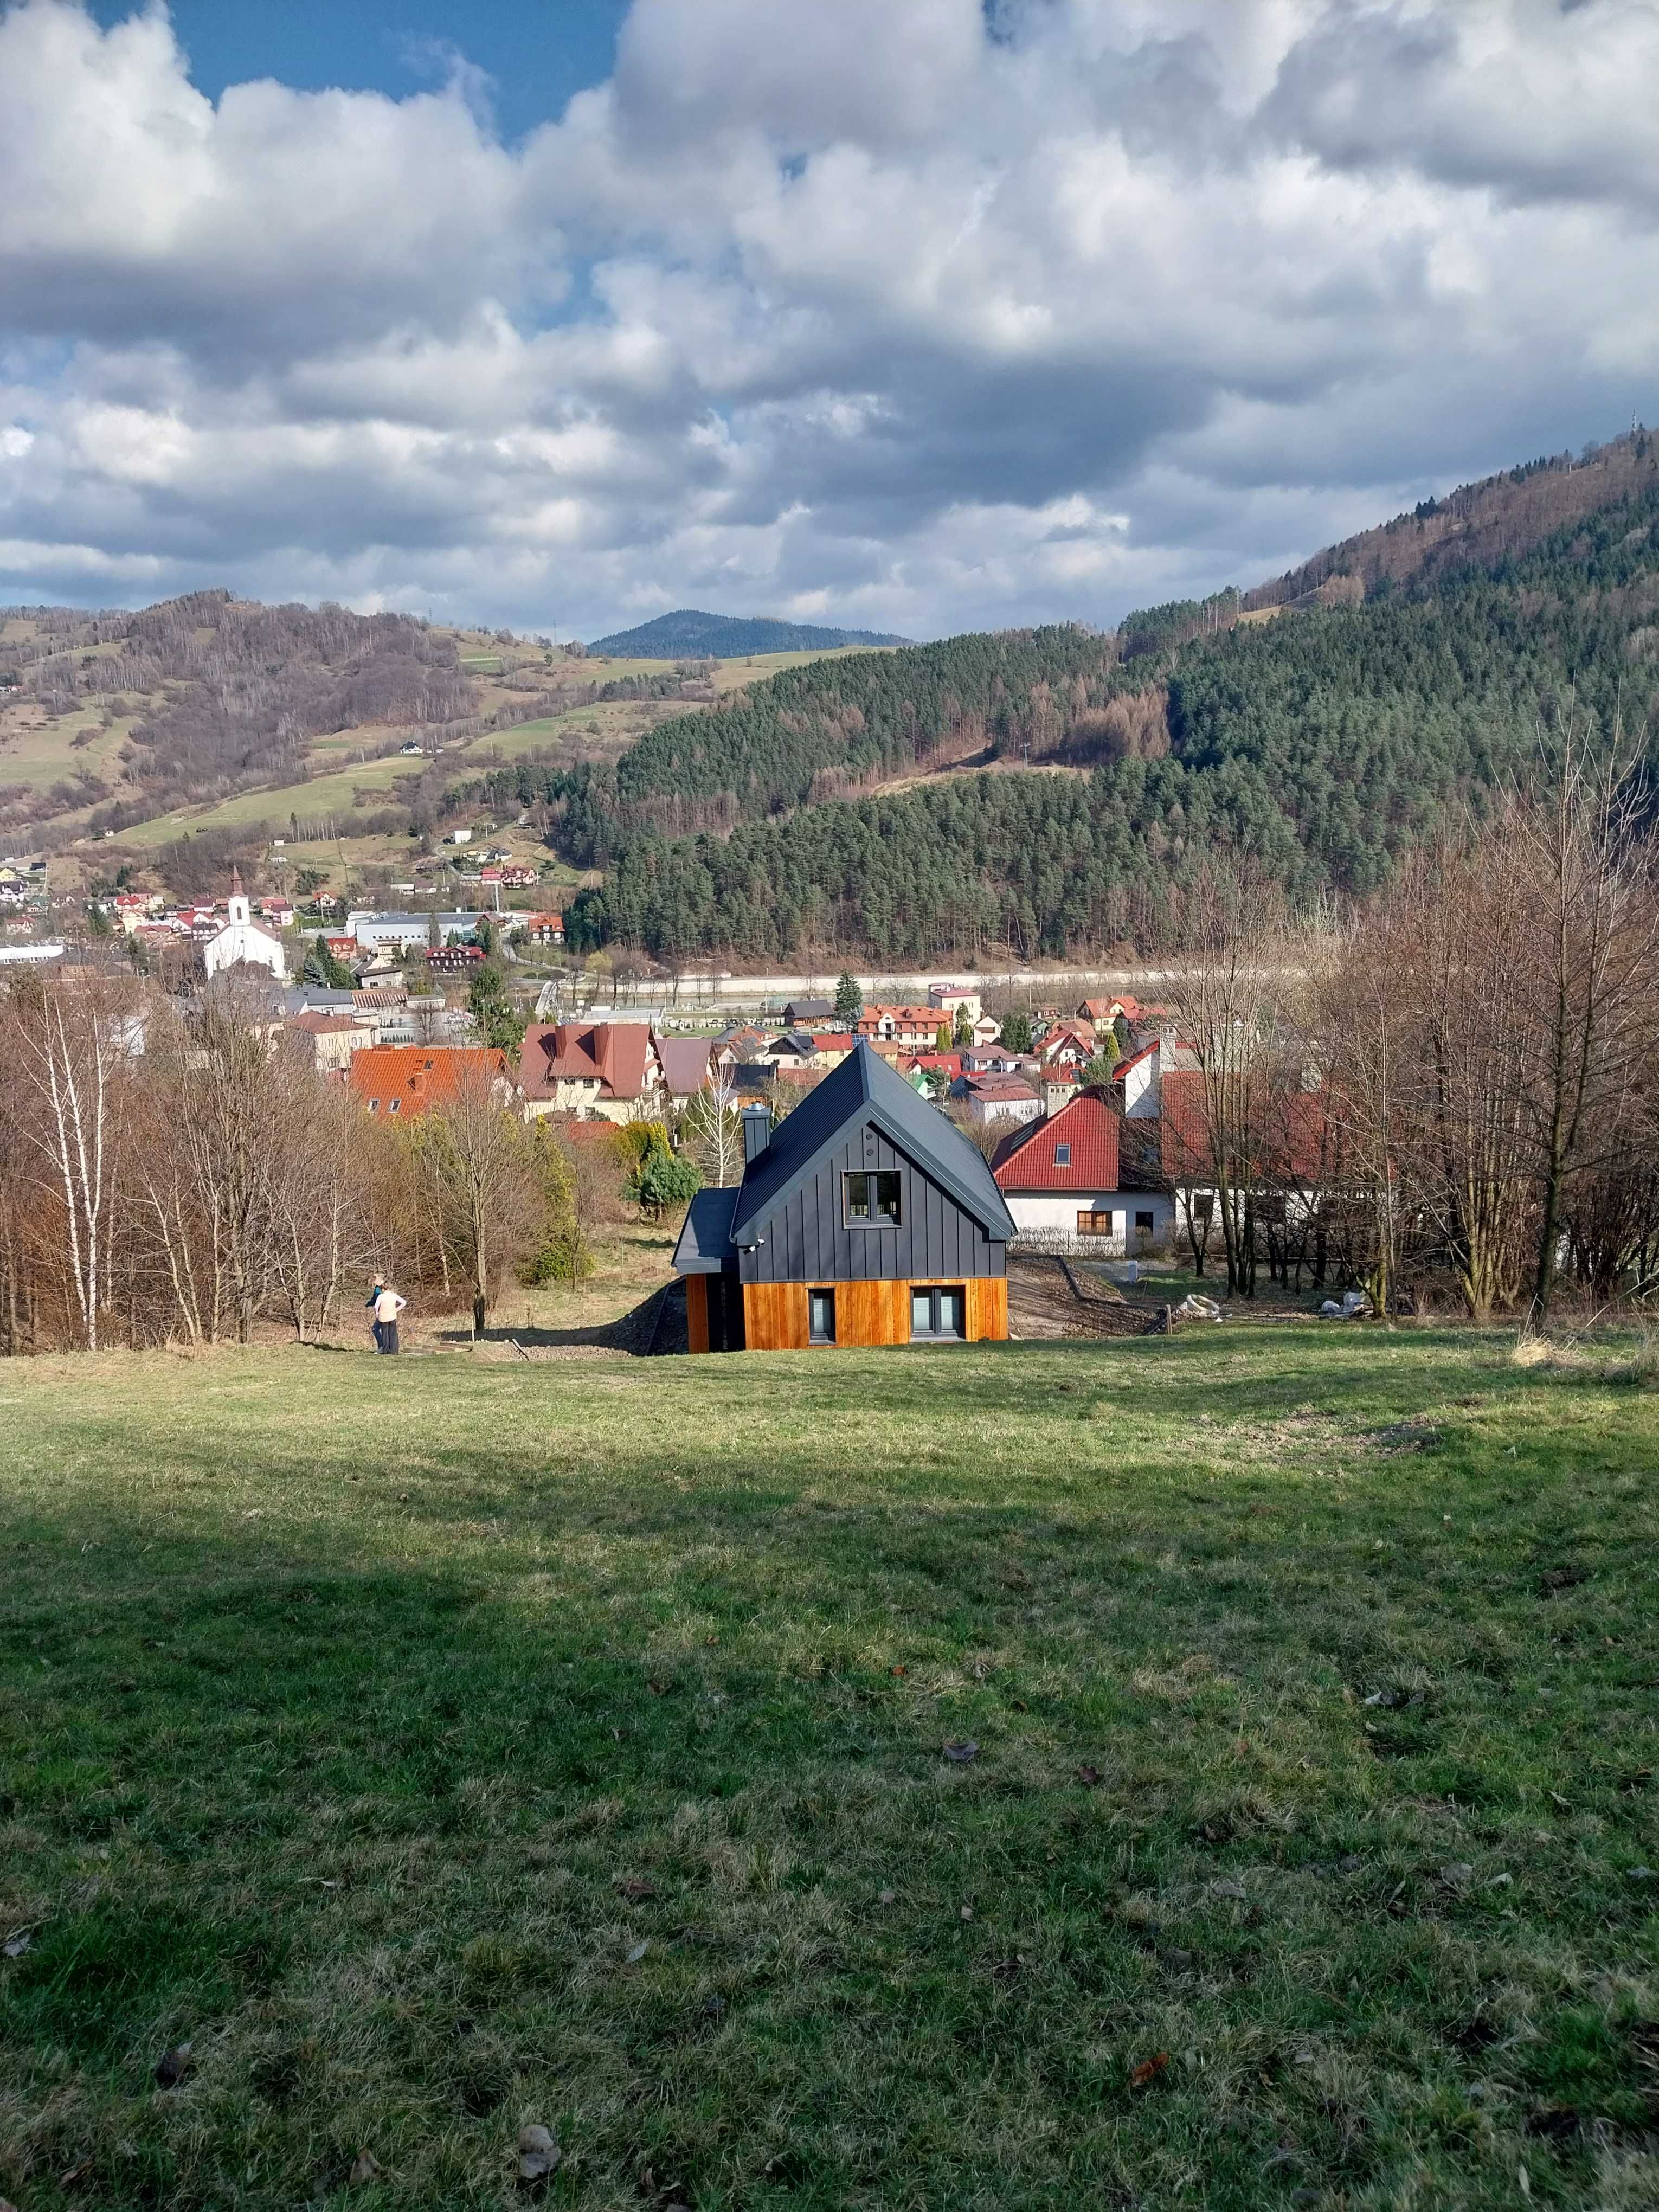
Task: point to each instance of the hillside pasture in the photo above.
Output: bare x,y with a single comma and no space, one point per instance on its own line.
1212,1770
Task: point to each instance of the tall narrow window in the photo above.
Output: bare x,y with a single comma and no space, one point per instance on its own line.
821,1316
872,1200
1062,1155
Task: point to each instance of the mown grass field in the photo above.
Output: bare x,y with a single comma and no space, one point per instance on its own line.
441,1746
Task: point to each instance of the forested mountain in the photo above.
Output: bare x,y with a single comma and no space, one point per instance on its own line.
688,634
1500,518
1322,741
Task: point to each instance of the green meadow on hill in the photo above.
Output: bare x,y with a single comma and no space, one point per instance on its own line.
1216,1771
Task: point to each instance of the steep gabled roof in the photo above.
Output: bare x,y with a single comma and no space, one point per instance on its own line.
864,1088
685,1064
1086,1124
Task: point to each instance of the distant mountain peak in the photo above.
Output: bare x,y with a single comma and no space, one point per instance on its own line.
689,633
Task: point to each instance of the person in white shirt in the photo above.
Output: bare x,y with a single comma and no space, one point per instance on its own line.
387,1306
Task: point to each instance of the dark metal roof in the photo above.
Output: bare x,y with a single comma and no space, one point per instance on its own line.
705,1241
808,1010
864,1088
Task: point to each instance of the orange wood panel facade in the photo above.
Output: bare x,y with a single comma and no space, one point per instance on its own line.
775,1316
872,1313
868,1312
988,1309
696,1313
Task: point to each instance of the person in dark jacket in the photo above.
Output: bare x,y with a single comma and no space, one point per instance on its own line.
372,1302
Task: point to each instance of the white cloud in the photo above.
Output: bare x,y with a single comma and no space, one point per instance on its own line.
896,314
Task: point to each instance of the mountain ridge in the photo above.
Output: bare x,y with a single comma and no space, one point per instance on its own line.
691,634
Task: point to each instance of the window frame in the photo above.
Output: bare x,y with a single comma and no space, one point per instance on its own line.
936,1293
1146,1223
1089,1220
874,1218
1062,1155
814,1292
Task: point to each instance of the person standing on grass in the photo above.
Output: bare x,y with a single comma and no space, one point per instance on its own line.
372,1302
387,1307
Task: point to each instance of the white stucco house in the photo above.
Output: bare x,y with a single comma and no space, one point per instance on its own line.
239,938
1064,1179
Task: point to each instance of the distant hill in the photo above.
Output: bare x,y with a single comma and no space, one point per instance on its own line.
688,634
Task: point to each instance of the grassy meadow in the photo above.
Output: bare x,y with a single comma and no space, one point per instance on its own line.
443,1746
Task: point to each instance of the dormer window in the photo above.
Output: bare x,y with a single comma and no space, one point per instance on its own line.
1062,1155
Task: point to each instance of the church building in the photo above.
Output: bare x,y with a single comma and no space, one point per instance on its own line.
241,939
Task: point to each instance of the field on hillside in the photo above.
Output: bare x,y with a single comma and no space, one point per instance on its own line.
39,751
1216,1771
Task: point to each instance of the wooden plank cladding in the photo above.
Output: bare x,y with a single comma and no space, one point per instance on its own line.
696,1313
988,1309
775,1315
872,1313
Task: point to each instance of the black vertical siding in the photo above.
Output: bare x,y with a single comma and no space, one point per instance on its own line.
805,1239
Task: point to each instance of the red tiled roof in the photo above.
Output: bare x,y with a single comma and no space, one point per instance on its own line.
324,1025
1133,1060
420,1076
616,1055
1295,1139
1079,1033
1086,1124
933,1063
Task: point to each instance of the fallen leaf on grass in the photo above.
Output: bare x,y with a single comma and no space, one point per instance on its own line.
638,1952
888,1897
16,1943
538,2153
1228,1889
1149,2070
172,2066
636,1887
960,1754
364,2167
1089,1776
1458,1875
76,2175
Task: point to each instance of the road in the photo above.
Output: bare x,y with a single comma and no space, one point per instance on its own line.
910,987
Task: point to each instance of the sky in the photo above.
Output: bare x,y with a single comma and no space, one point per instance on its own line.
920,315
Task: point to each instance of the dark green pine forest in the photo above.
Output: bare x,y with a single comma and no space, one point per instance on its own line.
1320,742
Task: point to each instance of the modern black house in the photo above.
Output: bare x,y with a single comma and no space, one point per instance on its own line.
865,1216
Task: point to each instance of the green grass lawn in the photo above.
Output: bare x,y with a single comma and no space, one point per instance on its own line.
440,1747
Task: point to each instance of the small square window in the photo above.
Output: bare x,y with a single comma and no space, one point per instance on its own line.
1143,1223
1062,1155
1094,1224
821,1316
872,1200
